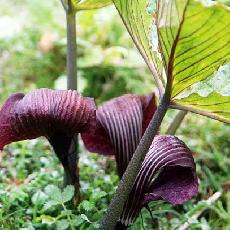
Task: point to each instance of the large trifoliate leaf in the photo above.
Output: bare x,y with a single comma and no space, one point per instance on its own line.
194,41
90,4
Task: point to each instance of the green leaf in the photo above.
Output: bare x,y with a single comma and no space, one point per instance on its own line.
39,198
194,42
210,96
90,4
50,204
97,196
62,224
86,205
77,220
54,193
215,105
68,193
137,16
66,213
18,194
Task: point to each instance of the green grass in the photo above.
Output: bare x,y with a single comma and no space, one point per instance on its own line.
30,176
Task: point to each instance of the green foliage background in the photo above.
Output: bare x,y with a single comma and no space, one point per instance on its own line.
32,55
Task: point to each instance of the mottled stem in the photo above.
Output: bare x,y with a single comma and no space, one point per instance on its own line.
124,188
176,122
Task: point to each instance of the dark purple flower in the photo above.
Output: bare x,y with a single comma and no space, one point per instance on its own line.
168,171
55,114
120,125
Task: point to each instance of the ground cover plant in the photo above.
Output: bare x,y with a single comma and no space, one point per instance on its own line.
159,167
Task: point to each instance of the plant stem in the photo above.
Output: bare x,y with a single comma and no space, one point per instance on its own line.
65,6
124,188
71,48
68,216
73,154
176,122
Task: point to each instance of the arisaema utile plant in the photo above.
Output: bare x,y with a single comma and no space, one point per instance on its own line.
185,44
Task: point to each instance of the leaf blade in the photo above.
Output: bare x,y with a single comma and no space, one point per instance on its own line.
90,4
214,106
195,42
68,193
137,18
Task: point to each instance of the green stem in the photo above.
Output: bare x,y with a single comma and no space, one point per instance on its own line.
68,216
65,5
176,122
116,206
73,154
71,48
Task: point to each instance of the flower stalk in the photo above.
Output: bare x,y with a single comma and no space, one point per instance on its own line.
176,122
116,206
73,153
71,47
